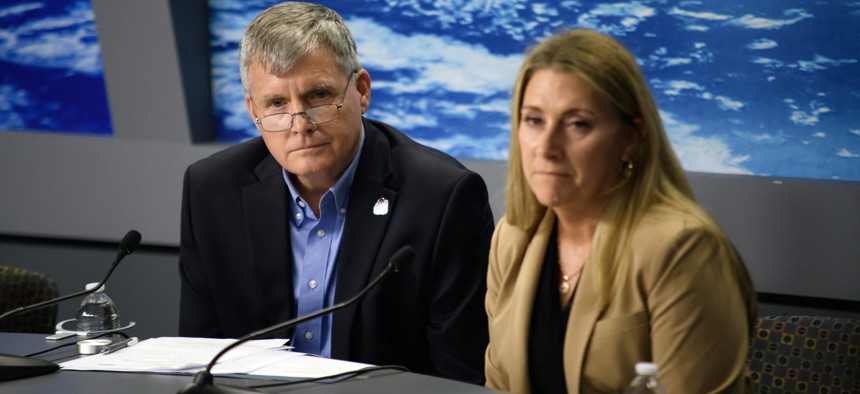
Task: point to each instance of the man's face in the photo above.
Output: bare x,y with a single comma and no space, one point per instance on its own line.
315,154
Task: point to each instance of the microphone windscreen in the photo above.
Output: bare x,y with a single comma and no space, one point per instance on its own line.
129,242
404,255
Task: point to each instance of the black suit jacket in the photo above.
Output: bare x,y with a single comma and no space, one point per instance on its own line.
235,258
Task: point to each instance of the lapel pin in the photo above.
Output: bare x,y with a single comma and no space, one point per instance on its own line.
381,207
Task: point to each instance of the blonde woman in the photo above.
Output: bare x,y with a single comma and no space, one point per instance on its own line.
603,257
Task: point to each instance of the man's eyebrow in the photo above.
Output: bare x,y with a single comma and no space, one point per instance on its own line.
329,86
269,97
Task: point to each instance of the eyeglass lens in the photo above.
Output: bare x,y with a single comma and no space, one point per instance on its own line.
315,115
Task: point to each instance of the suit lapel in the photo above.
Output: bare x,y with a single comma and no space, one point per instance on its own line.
525,291
265,212
583,317
363,232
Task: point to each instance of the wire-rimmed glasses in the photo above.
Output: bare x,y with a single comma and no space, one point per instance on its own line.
315,115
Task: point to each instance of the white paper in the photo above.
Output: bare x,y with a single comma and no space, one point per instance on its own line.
309,366
188,355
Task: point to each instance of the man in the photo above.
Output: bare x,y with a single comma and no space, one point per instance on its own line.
306,215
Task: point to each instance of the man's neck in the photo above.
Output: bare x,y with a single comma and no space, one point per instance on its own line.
312,190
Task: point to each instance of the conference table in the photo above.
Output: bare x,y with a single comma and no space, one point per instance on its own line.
66,381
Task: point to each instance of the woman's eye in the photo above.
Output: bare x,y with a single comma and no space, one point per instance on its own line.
578,125
532,120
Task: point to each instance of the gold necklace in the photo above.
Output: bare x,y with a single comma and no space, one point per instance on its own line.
564,287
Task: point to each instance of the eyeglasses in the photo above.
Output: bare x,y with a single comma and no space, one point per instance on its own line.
315,115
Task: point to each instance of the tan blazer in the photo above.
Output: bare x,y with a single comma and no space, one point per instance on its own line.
678,306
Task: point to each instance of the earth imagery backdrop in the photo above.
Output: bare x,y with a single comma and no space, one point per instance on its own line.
769,88
760,88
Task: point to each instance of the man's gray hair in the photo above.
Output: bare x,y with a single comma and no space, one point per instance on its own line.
284,33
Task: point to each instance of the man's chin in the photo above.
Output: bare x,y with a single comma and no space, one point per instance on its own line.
311,170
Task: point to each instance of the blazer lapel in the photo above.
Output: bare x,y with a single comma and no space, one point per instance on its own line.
583,317
525,291
363,232
265,212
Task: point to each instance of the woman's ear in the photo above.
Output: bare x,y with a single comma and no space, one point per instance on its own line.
639,132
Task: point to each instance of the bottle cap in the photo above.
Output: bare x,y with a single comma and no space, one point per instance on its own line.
646,369
91,286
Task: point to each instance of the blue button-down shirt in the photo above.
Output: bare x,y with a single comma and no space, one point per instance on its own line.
315,245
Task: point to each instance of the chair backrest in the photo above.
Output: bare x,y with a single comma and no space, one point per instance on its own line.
20,287
805,354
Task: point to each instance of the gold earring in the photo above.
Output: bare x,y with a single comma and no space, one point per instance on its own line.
627,169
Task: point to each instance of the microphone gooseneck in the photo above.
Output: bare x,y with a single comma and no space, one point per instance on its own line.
16,367
203,380
126,247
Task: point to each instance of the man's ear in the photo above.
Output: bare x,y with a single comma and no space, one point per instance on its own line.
250,105
362,84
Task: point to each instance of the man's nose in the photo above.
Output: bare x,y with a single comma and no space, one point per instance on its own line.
301,122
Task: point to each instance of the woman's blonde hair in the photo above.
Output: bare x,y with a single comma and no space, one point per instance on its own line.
657,178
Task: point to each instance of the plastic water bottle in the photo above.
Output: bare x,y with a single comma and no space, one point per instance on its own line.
646,380
97,312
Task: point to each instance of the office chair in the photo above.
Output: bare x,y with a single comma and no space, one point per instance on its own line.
20,287
805,354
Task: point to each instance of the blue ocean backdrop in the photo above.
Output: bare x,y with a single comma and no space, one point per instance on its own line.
760,88
51,75
769,88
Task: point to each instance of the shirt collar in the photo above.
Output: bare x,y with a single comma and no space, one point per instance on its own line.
340,189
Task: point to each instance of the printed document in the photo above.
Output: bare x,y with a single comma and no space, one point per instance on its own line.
268,358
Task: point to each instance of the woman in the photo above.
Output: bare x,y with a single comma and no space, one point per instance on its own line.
603,257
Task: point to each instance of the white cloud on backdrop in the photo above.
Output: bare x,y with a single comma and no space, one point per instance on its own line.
432,62
754,22
698,153
762,43
12,100
66,41
616,19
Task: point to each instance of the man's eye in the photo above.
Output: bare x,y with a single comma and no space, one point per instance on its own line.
320,94
277,104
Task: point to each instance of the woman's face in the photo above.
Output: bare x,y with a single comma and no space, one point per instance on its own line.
573,141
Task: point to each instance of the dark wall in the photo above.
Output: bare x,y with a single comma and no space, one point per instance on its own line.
145,285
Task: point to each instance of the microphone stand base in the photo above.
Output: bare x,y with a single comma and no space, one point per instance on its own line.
18,367
204,384
216,389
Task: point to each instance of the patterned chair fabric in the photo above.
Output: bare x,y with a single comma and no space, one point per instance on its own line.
20,287
805,354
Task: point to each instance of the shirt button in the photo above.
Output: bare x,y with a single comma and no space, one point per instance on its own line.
301,203
313,284
309,335
298,216
343,210
320,233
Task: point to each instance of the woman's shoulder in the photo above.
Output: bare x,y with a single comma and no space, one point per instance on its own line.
663,220
507,235
665,228
511,241
514,233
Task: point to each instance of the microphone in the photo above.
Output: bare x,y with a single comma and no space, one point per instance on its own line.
15,367
203,380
